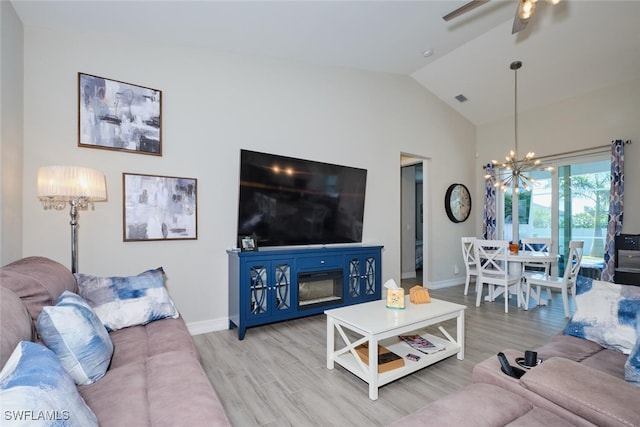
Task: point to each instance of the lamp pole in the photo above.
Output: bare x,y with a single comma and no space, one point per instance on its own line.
74,235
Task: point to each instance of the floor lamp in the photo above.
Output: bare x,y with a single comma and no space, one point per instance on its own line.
80,187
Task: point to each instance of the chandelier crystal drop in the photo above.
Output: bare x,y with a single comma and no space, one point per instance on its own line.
513,172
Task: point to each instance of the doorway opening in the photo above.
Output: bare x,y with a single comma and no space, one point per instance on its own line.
413,213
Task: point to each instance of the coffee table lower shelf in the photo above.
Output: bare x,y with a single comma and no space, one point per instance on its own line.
349,362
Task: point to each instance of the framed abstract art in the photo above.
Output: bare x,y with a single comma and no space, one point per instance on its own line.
159,208
114,115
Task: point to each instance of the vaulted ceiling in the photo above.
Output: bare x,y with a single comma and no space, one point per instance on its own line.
568,49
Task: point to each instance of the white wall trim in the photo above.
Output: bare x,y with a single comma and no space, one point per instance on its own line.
445,283
206,326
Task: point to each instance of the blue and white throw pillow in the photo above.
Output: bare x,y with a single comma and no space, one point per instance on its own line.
36,390
605,314
76,335
120,302
632,365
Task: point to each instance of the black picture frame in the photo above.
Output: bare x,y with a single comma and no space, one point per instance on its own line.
247,244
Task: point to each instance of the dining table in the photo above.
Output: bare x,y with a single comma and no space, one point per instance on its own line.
516,261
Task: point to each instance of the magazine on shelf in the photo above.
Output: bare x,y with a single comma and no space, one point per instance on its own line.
421,344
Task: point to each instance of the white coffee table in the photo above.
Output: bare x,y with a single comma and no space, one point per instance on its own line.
377,324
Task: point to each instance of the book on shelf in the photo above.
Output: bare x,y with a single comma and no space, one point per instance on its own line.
387,360
422,344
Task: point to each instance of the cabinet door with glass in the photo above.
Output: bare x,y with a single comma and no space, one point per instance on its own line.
269,288
363,277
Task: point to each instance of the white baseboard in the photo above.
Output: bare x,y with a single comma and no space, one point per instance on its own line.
444,283
206,326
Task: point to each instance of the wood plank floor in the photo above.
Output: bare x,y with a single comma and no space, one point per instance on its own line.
277,375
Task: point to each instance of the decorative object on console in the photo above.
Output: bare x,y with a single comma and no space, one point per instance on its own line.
120,302
114,115
78,186
457,202
73,331
248,243
159,208
33,382
419,295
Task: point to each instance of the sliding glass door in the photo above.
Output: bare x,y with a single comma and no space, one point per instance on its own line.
569,203
583,190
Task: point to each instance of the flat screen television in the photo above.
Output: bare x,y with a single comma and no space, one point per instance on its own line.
286,201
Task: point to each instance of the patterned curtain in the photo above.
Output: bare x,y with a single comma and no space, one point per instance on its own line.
616,197
489,212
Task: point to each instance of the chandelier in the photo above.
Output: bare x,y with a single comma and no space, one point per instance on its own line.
513,172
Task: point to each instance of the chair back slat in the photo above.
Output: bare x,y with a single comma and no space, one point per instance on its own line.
572,268
468,251
536,244
492,260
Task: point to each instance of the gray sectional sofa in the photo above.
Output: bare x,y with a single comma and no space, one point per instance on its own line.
578,383
154,377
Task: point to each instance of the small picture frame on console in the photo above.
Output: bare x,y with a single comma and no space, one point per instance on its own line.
248,243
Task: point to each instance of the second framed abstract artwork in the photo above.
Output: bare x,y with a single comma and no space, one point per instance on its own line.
159,208
114,115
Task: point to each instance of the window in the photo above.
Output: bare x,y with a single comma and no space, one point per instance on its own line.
569,203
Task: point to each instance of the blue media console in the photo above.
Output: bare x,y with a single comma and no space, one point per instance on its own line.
274,285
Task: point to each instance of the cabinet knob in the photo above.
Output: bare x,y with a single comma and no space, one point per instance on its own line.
321,261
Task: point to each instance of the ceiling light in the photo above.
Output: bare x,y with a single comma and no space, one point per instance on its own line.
513,171
427,53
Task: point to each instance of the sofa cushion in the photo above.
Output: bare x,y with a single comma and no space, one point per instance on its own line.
167,389
587,392
481,405
570,347
35,388
16,323
121,302
38,281
137,343
77,336
606,314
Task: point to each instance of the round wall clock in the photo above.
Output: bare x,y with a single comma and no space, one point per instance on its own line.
457,202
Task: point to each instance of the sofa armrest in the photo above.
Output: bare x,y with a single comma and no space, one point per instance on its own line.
593,395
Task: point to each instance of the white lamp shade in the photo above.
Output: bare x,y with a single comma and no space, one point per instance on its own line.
67,183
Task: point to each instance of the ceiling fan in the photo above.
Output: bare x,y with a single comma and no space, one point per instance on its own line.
523,13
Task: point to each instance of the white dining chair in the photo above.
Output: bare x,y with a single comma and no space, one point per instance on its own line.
493,269
537,244
470,264
568,280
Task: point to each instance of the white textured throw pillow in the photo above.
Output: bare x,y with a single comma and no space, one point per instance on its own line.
76,335
120,302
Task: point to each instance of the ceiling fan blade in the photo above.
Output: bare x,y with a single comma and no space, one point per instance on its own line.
524,12
464,9
518,24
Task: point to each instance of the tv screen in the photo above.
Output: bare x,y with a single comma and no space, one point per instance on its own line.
286,201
